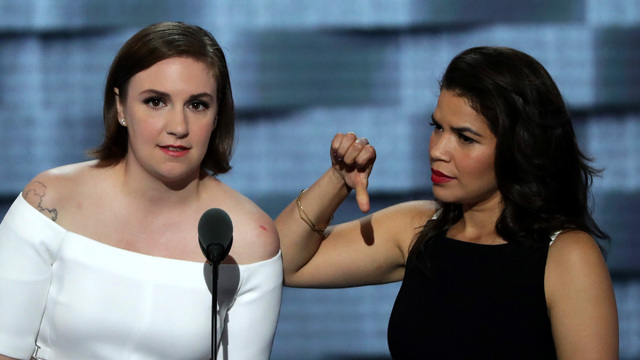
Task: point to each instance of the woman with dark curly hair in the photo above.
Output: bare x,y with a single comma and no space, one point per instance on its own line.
505,263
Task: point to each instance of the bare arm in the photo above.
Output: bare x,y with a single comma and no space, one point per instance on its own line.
298,241
25,270
2,357
366,251
580,298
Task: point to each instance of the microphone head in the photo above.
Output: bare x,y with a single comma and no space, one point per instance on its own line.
215,234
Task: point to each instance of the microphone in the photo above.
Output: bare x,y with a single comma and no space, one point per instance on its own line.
215,234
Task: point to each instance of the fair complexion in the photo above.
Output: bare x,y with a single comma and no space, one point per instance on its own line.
151,201
170,112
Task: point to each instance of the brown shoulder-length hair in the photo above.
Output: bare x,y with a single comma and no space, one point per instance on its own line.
144,49
542,175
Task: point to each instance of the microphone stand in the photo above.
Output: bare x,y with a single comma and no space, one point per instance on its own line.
215,235
214,307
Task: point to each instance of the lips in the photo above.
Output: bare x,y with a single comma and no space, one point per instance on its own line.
175,150
439,177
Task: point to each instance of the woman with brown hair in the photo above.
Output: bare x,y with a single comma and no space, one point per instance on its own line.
100,259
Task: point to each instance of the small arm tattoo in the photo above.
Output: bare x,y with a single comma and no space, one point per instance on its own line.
34,194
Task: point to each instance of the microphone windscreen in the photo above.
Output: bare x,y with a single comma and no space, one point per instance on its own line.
215,233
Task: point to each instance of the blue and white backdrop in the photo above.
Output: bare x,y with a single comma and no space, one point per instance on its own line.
302,70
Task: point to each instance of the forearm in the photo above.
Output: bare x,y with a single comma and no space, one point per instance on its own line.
298,241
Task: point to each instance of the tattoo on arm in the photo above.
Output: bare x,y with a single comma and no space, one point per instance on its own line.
34,194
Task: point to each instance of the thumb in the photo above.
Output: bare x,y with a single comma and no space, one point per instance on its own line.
362,197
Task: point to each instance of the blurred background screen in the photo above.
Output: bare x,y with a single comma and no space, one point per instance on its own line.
303,70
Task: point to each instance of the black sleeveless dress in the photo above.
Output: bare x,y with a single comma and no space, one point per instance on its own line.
475,302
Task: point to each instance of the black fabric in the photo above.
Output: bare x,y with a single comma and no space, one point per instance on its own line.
476,302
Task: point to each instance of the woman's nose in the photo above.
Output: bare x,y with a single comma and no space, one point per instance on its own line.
439,148
178,124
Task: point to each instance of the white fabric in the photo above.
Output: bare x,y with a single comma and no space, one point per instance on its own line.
83,299
554,236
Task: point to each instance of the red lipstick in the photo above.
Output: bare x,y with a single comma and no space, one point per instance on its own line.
439,177
175,150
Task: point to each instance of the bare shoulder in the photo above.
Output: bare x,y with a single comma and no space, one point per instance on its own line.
255,237
574,261
580,299
400,223
52,188
574,248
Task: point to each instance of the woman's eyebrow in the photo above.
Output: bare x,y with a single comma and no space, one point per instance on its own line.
156,92
459,129
466,129
201,95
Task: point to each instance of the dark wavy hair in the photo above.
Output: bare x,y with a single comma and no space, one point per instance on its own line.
149,46
543,177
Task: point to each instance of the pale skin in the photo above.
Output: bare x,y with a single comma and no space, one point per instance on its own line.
374,249
151,202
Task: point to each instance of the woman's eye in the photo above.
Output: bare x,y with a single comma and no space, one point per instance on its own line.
154,102
199,105
435,125
465,139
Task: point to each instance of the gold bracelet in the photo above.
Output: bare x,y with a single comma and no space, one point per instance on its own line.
307,219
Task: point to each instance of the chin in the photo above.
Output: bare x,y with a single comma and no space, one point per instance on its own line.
444,196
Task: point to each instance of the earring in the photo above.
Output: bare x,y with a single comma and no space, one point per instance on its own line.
124,123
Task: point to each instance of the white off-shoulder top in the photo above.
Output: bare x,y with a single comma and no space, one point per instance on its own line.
78,298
